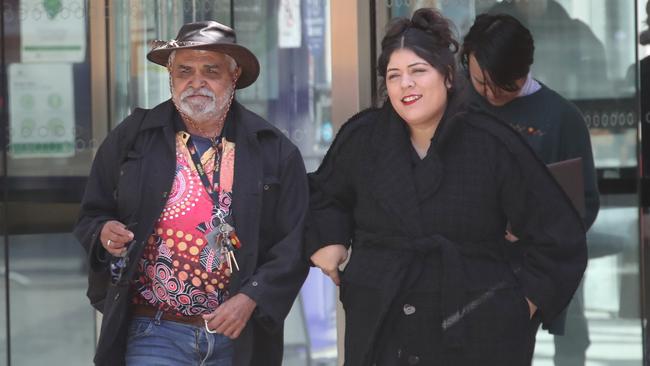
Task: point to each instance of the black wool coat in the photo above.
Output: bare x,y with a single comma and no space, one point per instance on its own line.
270,200
431,279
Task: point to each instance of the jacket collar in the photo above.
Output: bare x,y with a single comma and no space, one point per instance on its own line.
397,185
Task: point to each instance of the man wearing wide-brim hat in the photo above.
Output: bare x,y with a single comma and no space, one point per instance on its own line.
193,217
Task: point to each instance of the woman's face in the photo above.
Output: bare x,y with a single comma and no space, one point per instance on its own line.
416,89
484,86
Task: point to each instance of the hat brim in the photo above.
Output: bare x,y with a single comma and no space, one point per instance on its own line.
250,66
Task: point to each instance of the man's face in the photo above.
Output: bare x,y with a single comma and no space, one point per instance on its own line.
202,83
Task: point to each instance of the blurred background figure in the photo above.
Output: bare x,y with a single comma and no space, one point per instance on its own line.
569,56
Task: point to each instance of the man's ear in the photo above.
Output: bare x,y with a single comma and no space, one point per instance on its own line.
237,73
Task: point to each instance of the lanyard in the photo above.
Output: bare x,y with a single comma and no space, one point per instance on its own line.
226,241
201,171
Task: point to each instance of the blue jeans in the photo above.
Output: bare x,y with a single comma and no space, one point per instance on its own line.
165,343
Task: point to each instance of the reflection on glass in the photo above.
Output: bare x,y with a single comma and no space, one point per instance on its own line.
610,296
3,299
48,88
291,41
50,145
52,323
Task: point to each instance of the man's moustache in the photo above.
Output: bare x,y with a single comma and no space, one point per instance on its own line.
199,92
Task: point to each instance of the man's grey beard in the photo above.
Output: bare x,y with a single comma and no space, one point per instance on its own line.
208,110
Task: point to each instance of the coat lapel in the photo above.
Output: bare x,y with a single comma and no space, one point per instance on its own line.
394,187
429,173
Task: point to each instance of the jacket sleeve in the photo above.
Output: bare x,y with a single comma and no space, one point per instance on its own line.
282,269
576,143
332,197
98,204
552,252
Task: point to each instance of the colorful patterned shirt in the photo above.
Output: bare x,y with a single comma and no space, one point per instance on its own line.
179,272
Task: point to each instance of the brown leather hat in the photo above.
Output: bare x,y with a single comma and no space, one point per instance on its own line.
212,36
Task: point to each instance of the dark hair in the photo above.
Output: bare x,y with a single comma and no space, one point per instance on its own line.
428,34
503,48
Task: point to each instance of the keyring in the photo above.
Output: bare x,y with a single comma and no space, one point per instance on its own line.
208,329
108,243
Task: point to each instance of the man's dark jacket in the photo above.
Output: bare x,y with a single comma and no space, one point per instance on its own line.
270,199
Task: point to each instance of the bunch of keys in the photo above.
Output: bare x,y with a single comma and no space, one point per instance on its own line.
224,242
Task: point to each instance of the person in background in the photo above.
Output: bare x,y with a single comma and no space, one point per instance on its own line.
200,221
497,54
422,190
570,58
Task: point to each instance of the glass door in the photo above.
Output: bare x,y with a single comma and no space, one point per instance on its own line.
48,116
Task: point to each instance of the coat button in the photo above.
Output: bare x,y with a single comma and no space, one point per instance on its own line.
409,309
164,194
266,187
414,360
255,284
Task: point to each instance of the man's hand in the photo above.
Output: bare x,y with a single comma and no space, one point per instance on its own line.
328,259
114,237
231,317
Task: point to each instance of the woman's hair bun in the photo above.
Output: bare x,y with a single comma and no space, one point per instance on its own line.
432,22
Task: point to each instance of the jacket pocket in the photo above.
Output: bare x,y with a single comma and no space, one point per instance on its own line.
140,327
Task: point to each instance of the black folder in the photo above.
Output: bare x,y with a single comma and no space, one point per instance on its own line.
568,173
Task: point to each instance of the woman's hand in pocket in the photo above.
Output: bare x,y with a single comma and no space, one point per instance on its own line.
531,307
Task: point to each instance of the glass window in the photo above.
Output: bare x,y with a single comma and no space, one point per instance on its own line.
585,50
50,147
291,40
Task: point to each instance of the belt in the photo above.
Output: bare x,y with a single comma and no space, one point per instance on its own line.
452,283
151,312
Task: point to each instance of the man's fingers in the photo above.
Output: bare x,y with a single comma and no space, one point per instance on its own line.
115,236
228,327
232,331
215,324
119,233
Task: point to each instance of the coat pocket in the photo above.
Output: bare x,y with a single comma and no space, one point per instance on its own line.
497,314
